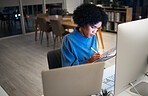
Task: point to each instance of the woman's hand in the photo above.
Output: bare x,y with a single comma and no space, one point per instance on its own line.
95,57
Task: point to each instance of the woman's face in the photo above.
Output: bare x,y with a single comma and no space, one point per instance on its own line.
90,30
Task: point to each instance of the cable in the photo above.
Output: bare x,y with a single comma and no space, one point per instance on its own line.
134,88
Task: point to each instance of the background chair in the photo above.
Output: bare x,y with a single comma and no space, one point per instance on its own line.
44,15
101,38
5,21
57,29
54,59
44,27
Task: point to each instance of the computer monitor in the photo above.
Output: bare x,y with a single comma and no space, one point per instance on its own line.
132,52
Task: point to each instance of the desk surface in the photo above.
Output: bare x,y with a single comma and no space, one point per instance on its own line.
68,24
127,92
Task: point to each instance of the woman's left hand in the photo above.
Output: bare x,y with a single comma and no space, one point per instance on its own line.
95,57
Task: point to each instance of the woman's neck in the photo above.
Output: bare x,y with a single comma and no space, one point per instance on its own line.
81,31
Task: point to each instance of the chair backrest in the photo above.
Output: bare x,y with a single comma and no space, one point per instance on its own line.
44,26
57,27
45,16
39,20
54,59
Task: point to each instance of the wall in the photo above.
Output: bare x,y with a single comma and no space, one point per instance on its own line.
35,2
72,4
54,1
7,3
32,2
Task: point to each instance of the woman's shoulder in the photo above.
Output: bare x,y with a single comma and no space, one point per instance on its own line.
70,36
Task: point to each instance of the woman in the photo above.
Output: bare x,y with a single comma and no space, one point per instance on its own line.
80,46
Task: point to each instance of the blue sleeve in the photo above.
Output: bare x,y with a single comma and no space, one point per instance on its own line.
94,46
67,55
83,62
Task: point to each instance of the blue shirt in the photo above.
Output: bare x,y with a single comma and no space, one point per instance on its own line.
76,48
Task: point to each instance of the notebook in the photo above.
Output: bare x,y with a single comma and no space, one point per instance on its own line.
82,80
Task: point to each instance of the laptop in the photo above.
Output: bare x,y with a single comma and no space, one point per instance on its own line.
82,80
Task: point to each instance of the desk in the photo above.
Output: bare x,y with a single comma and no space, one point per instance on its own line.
142,88
70,25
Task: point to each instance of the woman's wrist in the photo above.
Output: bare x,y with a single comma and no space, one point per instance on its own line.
89,61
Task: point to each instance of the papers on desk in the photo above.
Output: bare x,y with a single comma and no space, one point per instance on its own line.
109,78
107,55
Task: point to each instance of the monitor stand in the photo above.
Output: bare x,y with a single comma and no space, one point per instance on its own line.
142,88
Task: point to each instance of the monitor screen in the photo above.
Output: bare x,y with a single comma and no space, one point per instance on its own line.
132,52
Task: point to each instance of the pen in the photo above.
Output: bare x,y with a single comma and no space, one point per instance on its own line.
93,50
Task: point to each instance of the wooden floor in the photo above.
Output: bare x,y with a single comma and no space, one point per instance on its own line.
22,60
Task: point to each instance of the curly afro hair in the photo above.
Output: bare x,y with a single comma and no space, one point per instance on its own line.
89,14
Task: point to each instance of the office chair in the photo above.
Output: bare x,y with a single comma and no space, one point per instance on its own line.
54,59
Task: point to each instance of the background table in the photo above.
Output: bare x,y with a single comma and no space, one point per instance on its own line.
70,25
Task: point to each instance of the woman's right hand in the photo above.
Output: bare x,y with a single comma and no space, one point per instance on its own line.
95,57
